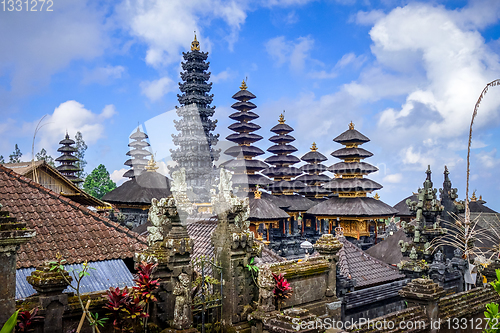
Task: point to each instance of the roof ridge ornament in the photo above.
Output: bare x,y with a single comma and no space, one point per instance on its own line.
243,85
282,118
152,165
257,193
351,125
376,196
473,198
314,148
195,45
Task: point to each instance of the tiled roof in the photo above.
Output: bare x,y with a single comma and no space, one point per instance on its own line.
366,270
62,225
201,233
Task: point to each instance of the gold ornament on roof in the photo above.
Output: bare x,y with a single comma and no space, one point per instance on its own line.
473,198
314,148
195,46
282,118
351,125
376,196
152,164
480,198
243,85
257,193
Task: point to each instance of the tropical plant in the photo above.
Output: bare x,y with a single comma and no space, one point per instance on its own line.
2,160
491,313
9,326
254,270
80,153
282,289
25,319
42,156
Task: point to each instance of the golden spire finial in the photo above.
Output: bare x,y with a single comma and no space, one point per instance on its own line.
473,198
376,196
243,85
152,164
195,46
480,198
282,118
314,148
257,193
351,125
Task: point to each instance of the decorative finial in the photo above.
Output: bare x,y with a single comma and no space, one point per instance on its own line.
314,148
152,164
336,175
339,232
480,198
257,193
473,198
351,125
195,46
282,118
376,196
243,85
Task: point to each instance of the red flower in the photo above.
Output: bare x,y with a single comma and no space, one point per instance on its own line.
282,289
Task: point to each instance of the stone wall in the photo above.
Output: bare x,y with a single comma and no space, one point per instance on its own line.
308,279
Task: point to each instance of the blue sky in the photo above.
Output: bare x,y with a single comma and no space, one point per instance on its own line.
406,73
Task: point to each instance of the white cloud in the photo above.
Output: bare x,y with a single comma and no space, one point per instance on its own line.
368,18
348,59
117,176
293,52
488,159
72,117
103,75
41,45
167,26
222,76
156,89
393,178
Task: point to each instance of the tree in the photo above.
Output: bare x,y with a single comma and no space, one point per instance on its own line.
98,182
42,156
15,157
1,159
80,153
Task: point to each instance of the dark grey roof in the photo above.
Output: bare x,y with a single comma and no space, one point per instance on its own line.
351,135
243,95
389,250
351,152
141,189
244,106
282,129
296,203
265,210
478,207
361,207
313,156
403,208
366,270
353,167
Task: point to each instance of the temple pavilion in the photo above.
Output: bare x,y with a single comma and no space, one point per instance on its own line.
351,208
67,160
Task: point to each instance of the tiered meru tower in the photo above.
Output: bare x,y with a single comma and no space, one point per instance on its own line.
245,168
68,160
352,210
282,170
195,139
138,154
314,177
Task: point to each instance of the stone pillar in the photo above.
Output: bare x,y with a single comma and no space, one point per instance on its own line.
234,245
426,293
49,286
328,246
172,253
12,235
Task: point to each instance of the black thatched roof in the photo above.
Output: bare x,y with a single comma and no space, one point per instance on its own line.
286,185
281,171
244,106
282,129
352,184
353,167
389,250
356,207
284,138
351,152
282,159
403,208
140,190
236,151
282,149
313,168
351,136
243,95
251,180
478,207
313,156
243,138
265,210
244,116
296,203
249,165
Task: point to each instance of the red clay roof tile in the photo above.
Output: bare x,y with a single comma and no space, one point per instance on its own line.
62,225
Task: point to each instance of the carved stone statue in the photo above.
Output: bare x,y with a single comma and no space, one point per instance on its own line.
266,286
413,254
182,303
158,215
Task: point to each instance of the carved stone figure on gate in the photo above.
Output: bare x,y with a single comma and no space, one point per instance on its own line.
182,303
266,286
